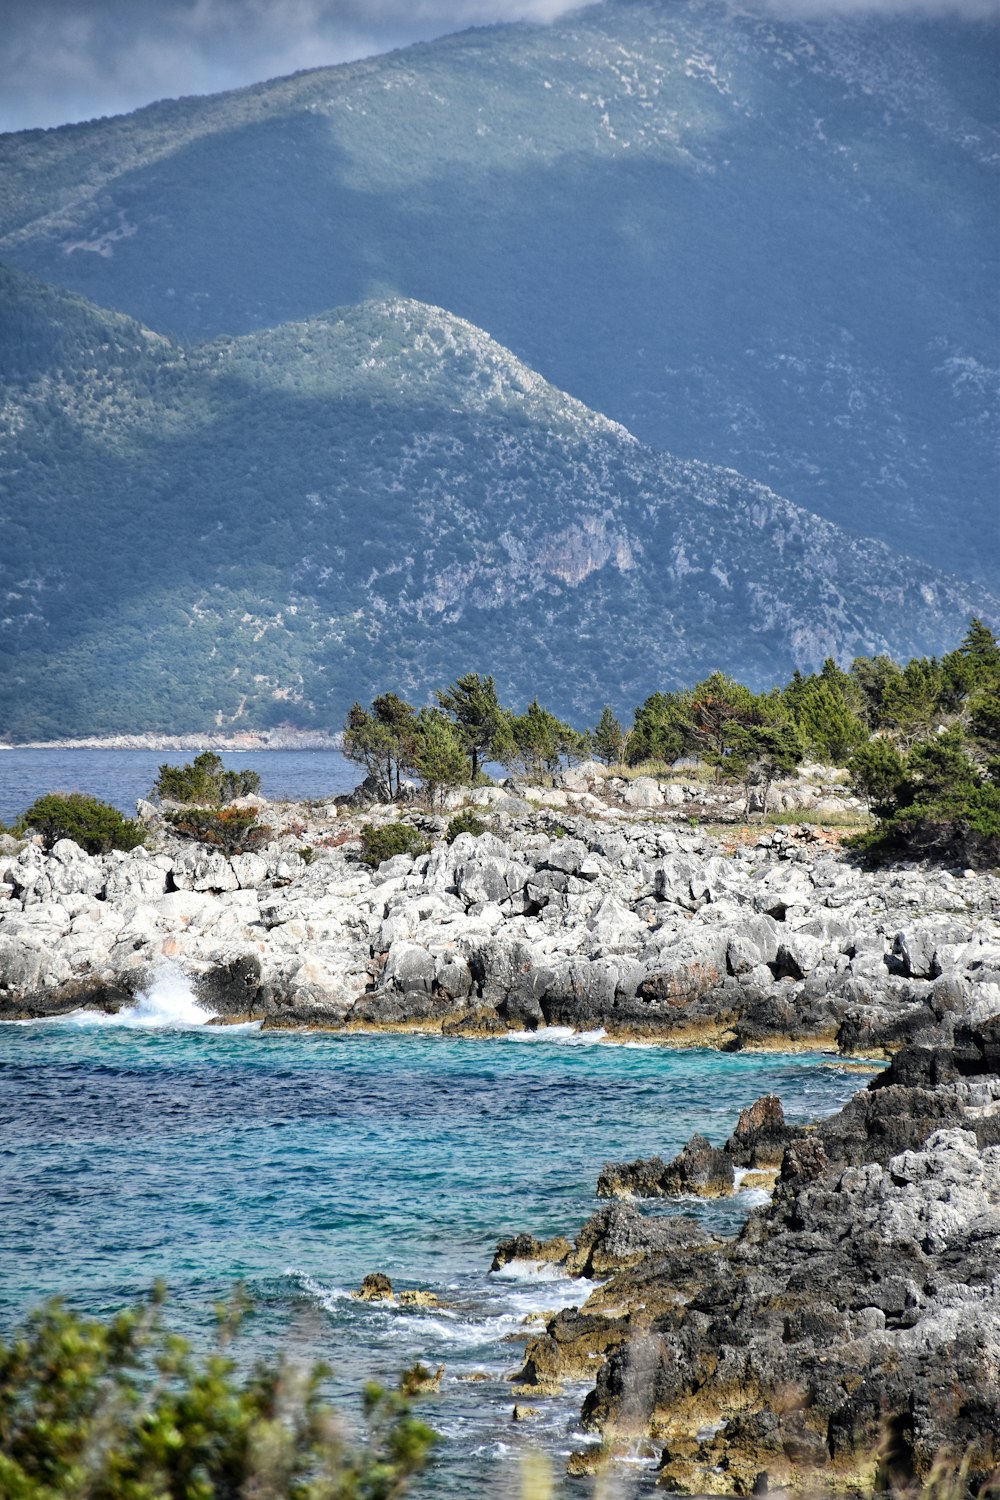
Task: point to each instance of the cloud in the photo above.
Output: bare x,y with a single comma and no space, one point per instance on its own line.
66,60
824,10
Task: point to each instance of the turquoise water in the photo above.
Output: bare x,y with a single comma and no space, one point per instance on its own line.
122,776
300,1162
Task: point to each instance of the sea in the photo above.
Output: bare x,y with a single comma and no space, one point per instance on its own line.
154,1144
121,777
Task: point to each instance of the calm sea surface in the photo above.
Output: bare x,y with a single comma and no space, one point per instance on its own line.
153,1145
122,776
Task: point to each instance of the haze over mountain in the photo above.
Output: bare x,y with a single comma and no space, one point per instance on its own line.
765,243
259,529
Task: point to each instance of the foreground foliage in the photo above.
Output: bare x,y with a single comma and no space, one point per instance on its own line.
96,826
125,1410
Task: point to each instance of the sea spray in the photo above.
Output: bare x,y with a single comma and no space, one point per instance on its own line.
168,1003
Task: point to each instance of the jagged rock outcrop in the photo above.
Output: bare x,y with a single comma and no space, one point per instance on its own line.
848,1340
756,1147
700,1169
609,920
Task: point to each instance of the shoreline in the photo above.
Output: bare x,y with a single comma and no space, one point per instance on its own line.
866,1286
247,740
778,1046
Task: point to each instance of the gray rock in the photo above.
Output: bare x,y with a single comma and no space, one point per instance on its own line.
408,968
642,792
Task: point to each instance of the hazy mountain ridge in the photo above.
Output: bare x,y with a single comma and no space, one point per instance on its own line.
758,242
259,529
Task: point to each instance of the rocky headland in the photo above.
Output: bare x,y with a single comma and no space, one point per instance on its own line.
591,904
849,1338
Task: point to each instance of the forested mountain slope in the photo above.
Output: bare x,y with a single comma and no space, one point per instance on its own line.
259,529
761,242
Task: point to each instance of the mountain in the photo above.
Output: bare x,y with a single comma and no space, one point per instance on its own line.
760,242
259,529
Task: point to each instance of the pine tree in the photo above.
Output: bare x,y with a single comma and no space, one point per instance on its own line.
763,745
439,759
661,729
479,715
828,727
878,773
608,739
720,706
538,741
383,739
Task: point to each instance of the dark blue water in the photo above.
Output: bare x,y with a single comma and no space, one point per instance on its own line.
122,776
299,1163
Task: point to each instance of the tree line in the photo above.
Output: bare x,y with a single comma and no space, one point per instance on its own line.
921,740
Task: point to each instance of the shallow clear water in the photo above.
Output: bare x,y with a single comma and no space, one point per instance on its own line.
300,1162
122,776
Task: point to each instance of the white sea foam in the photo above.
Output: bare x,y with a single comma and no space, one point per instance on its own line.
326,1296
530,1271
168,1004
441,1328
560,1036
556,1294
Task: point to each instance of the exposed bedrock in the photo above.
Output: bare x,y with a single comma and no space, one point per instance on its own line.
756,1145
606,921
848,1339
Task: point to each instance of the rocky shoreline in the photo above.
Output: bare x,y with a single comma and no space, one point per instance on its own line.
572,909
849,1337
847,1341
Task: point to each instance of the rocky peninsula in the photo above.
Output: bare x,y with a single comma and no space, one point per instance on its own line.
849,1337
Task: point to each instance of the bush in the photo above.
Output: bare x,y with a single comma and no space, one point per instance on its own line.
124,1410
385,842
96,826
464,822
878,773
204,781
942,806
233,830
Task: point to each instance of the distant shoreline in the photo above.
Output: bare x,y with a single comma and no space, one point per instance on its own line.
284,739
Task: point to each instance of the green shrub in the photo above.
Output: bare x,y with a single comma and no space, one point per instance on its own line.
388,840
125,1410
204,781
233,830
96,826
962,824
464,822
942,804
